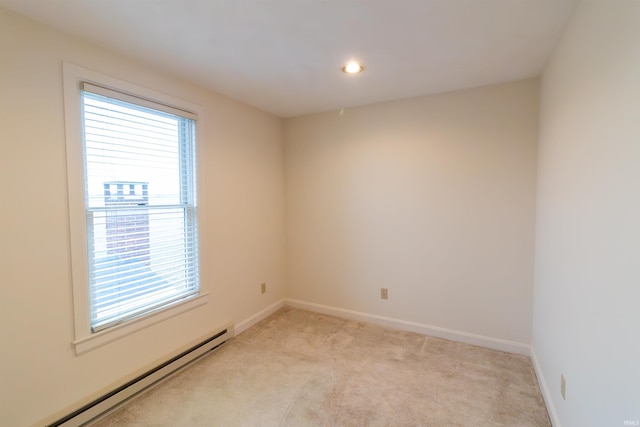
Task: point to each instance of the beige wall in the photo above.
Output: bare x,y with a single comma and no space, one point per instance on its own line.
432,198
587,272
242,215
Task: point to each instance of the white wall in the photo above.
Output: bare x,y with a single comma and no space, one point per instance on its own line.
242,211
432,198
587,271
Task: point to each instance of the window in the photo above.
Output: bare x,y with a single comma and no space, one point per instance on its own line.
140,205
139,222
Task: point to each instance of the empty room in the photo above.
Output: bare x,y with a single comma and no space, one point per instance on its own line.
320,213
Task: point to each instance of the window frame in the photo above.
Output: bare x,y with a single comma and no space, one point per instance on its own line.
73,78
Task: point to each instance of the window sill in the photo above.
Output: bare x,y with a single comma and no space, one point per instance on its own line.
106,336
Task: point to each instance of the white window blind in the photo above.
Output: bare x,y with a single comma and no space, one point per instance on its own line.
140,201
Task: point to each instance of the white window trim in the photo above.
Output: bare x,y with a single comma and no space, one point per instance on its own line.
85,340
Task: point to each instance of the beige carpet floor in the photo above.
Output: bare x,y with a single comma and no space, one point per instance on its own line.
298,368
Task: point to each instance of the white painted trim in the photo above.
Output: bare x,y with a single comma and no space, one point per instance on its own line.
106,336
551,409
450,334
262,314
73,75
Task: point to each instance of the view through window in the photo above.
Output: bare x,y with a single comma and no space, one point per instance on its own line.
140,206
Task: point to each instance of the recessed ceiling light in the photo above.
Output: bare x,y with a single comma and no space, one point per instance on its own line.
353,68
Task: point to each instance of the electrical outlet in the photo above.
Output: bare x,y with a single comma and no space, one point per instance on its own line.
384,293
263,288
563,386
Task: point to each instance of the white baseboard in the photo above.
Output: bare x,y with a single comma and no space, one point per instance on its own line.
252,320
551,409
450,334
479,340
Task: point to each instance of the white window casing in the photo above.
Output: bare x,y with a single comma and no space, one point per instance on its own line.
133,206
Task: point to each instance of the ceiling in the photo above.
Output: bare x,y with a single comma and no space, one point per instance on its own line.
284,56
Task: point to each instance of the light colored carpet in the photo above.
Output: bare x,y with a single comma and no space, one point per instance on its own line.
298,368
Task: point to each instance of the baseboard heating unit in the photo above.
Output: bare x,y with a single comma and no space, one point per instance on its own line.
119,395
